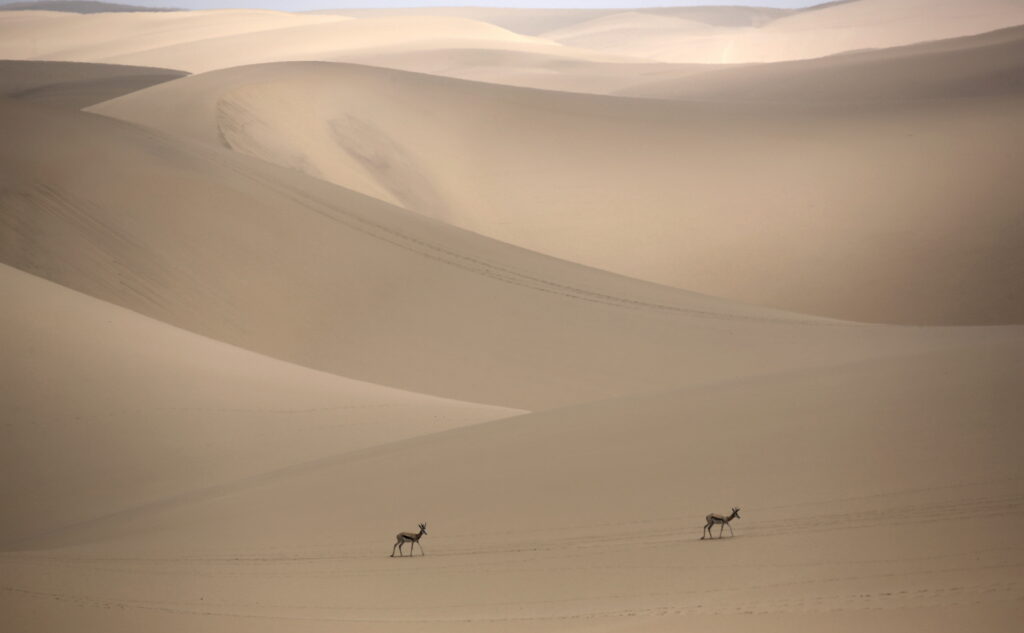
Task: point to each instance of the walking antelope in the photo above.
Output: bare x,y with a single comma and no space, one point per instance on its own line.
412,539
718,519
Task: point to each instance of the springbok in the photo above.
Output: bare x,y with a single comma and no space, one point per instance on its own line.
409,537
715,519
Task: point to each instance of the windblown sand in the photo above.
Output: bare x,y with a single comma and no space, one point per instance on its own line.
557,282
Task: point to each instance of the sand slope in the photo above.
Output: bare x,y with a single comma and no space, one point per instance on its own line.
104,409
256,366
815,32
860,487
984,65
353,286
857,211
198,41
76,85
76,6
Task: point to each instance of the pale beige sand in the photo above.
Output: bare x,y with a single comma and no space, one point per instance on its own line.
884,495
854,210
104,409
816,32
578,50
97,37
76,85
182,465
563,70
299,269
985,65
735,34
201,41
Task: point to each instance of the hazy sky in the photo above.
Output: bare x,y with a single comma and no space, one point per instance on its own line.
305,5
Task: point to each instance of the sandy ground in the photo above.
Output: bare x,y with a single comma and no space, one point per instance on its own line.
259,319
839,197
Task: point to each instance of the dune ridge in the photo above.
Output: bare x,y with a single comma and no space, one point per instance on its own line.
334,265
814,32
76,85
259,319
163,411
196,41
816,204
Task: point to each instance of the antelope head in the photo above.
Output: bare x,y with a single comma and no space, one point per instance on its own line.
423,528
736,513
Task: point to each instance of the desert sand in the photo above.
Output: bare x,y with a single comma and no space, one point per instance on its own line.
558,283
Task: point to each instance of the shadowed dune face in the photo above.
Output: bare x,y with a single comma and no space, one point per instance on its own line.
73,85
385,295
811,196
285,347
104,409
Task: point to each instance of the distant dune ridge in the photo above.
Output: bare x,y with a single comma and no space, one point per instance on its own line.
77,6
557,282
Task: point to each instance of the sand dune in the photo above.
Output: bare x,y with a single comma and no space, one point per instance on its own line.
856,211
589,518
255,366
532,21
100,37
202,41
197,41
577,50
644,35
75,6
337,39
75,85
105,410
816,32
563,70
987,65
351,285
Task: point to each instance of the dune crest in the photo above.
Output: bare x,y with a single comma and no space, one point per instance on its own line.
855,211
127,410
540,279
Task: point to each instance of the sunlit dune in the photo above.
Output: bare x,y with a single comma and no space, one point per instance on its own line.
572,290
820,203
126,410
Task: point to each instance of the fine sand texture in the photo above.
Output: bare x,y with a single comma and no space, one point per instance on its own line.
837,197
557,283
105,409
860,488
294,267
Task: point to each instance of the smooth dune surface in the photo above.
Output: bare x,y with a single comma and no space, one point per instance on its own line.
197,41
814,32
277,286
737,34
853,209
986,65
589,519
385,295
105,410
